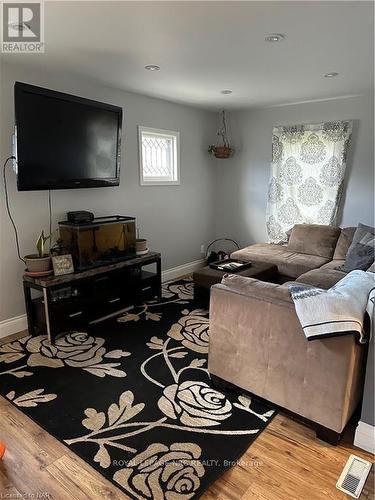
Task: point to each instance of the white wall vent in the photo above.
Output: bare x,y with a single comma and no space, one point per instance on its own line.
354,476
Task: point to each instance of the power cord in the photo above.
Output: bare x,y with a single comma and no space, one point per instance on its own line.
8,208
50,218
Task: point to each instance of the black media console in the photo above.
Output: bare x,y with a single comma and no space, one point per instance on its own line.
75,301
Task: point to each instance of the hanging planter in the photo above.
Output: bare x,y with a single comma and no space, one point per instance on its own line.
222,149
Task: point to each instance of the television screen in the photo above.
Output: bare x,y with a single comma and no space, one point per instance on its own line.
64,141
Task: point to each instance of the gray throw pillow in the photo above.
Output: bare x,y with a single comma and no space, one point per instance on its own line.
360,254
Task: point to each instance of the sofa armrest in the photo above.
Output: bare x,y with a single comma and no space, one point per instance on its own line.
260,290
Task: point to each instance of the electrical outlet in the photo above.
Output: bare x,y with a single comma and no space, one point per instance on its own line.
202,249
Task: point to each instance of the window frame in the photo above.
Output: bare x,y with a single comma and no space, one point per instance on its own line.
175,135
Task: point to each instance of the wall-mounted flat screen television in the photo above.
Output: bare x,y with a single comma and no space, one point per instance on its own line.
64,141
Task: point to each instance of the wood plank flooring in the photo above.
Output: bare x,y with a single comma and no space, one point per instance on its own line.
285,462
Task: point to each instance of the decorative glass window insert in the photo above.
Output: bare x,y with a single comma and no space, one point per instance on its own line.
159,156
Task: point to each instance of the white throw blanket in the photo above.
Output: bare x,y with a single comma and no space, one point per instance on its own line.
338,311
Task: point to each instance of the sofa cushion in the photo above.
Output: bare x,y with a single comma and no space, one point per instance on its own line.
344,242
314,239
257,288
261,251
321,278
333,264
288,263
361,252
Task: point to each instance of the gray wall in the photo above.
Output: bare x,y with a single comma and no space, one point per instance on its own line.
242,181
368,403
177,220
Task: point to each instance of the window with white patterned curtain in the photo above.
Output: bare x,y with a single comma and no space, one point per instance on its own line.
158,156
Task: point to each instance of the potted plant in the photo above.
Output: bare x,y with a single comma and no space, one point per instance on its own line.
39,262
140,245
222,149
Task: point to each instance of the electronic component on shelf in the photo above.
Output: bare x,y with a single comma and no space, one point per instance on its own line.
80,216
64,293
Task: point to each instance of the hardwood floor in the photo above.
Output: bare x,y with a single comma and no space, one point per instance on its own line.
285,462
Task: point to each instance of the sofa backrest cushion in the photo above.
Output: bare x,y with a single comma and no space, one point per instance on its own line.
314,239
361,252
344,242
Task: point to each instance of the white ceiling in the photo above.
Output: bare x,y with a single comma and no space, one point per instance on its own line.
204,47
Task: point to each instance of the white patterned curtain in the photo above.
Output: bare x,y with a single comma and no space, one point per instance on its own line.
307,173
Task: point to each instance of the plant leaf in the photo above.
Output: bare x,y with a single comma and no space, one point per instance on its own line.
153,316
198,312
105,369
128,317
245,401
178,354
13,351
40,244
116,354
154,346
94,421
155,343
21,374
32,394
197,363
102,457
124,410
156,340
32,398
11,357
10,395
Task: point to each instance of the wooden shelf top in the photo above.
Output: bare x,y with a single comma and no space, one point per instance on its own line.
49,281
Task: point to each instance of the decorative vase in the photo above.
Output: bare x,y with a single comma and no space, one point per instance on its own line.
36,264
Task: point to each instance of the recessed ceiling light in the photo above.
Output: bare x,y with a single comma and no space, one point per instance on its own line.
331,75
275,37
152,67
226,91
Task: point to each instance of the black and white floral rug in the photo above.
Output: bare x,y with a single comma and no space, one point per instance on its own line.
133,398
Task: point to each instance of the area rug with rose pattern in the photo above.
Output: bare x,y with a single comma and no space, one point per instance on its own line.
133,398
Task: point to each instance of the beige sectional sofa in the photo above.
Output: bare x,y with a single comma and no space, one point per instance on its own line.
310,247
254,327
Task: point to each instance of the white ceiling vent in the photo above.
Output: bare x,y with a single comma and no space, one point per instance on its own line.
354,476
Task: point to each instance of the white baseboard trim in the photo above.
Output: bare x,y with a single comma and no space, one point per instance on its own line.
365,437
19,323
177,272
13,325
